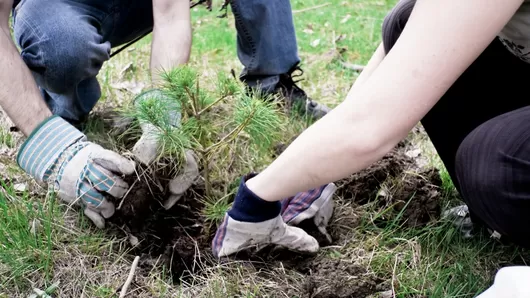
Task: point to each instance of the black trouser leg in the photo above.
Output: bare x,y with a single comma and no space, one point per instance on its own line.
489,168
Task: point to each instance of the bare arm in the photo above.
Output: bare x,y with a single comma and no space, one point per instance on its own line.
19,94
400,91
372,65
171,35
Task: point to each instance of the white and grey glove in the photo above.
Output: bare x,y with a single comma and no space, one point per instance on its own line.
254,223
82,172
183,181
316,204
146,149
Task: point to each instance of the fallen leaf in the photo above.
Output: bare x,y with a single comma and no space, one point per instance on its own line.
20,187
315,43
308,31
128,68
35,227
413,153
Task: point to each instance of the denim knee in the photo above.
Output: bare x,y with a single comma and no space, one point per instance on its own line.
61,52
395,21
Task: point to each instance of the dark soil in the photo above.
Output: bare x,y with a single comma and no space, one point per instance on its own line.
338,278
413,193
168,238
419,198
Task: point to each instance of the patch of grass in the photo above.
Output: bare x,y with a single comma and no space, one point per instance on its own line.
6,138
214,210
26,237
435,261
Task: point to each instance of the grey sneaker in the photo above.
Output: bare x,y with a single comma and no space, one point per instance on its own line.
296,98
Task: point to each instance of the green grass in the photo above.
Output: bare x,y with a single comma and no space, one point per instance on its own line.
26,234
433,261
6,139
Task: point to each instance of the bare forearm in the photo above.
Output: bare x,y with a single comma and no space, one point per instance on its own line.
19,94
372,65
332,152
395,96
171,36
345,141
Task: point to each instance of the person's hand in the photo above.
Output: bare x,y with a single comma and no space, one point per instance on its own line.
253,222
81,172
183,181
147,148
316,204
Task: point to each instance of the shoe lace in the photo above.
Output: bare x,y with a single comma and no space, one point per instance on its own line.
289,79
290,83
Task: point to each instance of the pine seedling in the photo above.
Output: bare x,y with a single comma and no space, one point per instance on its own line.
212,120
260,119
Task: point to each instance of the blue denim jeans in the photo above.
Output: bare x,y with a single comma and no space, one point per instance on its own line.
65,43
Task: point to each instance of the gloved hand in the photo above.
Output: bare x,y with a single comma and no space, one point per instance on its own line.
147,147
80,171
316,204
253,222
181,183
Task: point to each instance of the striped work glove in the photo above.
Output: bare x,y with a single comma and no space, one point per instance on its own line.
80,171
253,222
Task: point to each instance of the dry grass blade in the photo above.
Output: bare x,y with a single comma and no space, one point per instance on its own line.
311,8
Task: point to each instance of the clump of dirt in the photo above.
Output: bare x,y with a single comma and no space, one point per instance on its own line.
325,276
168,238
364,185
339,278
396,181
419,198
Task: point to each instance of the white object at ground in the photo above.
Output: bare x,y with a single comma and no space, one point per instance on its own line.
512,282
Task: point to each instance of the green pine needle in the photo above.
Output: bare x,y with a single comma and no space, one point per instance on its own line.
262,120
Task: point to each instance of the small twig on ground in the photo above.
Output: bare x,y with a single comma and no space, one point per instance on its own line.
355,67
394,276
130,277
311,8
